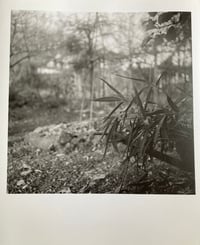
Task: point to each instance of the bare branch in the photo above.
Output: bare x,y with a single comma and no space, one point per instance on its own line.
19,61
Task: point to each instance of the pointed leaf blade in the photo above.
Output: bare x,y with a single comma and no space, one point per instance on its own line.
139,102
132,78
172,104
107,99
113,111
114,89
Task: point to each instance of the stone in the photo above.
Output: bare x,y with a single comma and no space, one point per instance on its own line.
20,182
64,137
65,190
26,172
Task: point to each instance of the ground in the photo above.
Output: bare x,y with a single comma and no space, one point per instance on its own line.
83,170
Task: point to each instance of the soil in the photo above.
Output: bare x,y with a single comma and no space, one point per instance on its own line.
83,170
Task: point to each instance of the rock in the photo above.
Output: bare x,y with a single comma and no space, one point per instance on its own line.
20,182
65,190
60,155
52,147
25,166
98,177
38,171
62,137
94,176
67,163
26,172
65,137
41,141
75,140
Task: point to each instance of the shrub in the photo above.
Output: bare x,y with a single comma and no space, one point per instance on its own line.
149,130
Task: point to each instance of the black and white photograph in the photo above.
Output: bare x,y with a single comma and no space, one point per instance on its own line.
100,102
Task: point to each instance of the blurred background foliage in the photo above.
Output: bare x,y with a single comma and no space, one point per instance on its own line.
57,58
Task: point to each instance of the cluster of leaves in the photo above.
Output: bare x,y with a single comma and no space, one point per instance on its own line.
168,26
146,128
31,170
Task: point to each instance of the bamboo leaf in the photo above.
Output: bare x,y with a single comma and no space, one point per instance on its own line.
163,132
142,90
114,144
114,89
157,112
157,132
139,102
134,99
107,127
157,88
172,104
159,79
136,138
148,97
107,142
130,104
148,145
107,99
111,113
143,143
181,99
117,137
130,137
152,102
185,93
110,133
131,78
